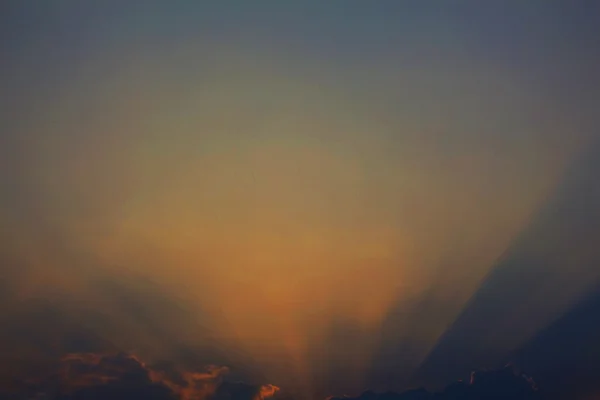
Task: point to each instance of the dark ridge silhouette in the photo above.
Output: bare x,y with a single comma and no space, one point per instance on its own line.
503,384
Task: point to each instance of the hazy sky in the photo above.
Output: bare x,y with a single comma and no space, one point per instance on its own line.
299,177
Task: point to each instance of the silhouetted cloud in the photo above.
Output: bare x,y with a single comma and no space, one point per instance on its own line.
125,376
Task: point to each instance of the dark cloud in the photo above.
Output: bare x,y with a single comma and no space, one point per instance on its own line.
89,376
124,376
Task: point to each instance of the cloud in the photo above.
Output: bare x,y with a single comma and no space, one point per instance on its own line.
91,376
190,385
266,391
125,376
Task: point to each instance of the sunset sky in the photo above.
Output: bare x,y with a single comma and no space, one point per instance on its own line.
317,194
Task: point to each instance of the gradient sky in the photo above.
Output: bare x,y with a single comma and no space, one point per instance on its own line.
286,185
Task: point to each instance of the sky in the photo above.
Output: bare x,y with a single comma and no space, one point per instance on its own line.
323,196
